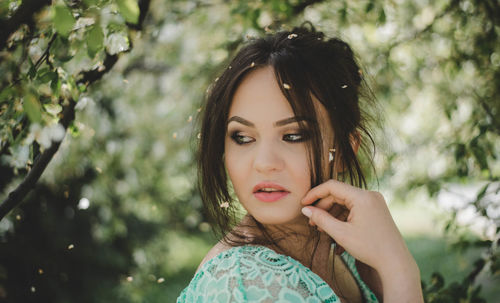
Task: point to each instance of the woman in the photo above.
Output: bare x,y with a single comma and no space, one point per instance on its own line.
284,122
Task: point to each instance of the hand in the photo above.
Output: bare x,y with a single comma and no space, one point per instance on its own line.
369,234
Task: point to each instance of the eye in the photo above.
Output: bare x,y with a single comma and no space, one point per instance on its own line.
239,139
297,137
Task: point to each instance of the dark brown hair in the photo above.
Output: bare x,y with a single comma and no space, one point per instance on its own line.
305,63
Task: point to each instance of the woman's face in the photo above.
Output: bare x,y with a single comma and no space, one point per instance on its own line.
265,150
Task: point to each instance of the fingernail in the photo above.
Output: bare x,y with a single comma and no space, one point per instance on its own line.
307,212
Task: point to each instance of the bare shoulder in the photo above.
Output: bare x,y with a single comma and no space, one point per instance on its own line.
243,228
214,251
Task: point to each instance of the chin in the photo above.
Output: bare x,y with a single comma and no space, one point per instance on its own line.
281,219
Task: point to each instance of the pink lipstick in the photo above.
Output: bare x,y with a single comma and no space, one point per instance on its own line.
269,192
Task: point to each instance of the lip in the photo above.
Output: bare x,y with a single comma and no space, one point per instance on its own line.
271,196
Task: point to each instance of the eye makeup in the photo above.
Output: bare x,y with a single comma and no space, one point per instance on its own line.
290,137
240,139
297,137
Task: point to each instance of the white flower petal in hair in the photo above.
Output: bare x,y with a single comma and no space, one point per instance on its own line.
224,205
331,154
291,36
344,86
286,86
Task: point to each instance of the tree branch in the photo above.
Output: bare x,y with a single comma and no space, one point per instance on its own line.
143,9
16,196
88,77
23,15
68,115
46,53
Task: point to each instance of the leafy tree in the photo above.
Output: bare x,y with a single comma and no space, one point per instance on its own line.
120,192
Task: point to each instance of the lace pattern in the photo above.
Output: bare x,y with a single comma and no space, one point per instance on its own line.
259,274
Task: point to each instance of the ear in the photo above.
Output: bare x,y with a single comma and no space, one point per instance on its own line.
355,139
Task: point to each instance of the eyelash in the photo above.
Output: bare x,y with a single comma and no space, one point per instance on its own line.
241,140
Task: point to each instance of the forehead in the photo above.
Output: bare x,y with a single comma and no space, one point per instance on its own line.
259,97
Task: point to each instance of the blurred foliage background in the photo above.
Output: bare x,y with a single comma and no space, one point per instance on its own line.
116,215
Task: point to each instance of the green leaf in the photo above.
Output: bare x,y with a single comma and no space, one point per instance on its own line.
129,9
343,13
6,94
47,75
55,86
369,7
90,3
73,88
32,71
482,192
95,39
60,49
82,88
381,17
74,130
32,108
63,20
53,109
479,154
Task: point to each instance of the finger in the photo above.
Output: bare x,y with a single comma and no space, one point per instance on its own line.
326,222
338,211
325,203
342,193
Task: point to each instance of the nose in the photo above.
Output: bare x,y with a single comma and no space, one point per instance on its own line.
268,158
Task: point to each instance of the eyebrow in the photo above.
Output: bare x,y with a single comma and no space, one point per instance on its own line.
276,124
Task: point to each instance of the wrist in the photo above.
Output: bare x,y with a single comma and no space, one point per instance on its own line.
401,282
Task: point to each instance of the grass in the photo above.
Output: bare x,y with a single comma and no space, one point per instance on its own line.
432,249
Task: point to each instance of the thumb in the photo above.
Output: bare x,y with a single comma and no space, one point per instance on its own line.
324,220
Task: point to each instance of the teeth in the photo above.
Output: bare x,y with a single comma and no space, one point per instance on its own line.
268,189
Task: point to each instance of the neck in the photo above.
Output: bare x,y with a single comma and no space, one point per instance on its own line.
296,239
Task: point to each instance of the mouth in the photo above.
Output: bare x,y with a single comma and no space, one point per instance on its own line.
269,192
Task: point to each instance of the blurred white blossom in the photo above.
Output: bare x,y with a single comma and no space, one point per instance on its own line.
116,43
19,156
45,135
84,203
83,102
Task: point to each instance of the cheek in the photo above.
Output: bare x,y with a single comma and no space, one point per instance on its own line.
298,164
234,165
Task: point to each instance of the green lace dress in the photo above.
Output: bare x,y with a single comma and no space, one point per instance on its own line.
259,274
